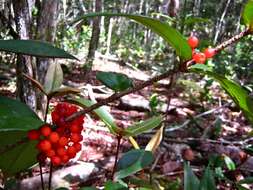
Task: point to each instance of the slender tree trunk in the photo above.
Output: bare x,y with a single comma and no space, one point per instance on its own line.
220,22
94,37
46,31
109,36
23,18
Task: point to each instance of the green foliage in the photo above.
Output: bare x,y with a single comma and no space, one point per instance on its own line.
229,163
132,162
101,112
238,94
109,185
143,126
191,182
114,81
54,77
207,182
35,48
169,34
16,119
248,14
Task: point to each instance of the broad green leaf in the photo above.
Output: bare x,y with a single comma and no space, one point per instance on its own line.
207,182
19,158
155,141
62,188
16,119
54,77
143,126
191,182
140,183
114,81
248,180
229,163
238,94
248,14
109,185
63,91
132,162
101,112
168,33
88,188
35,48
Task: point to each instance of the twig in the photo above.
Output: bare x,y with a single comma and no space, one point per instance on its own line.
50,176
41,176
121,94
196,117
116,156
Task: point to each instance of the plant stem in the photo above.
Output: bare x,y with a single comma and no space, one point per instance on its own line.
116,96
41,177
46,111
116,156
51,165
50,176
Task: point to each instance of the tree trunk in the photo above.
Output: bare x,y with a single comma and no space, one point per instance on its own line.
95,36
46,31
23,17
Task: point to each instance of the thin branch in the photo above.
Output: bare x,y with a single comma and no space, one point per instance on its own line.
197,117
116,96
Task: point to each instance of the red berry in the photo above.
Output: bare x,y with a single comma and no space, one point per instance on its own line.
45,130
77,146
74,128
61,151
56,161
55,117
199,57
33,134
63,141
71,150
44,145
209,52
76,137
54,137
65,158
193,41
50,153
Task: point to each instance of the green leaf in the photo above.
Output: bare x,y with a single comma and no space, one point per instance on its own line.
169,34
54,77
248,180
35,48
143,126
101,112
238,94
16,119
109,185
132,162
140,182
19,158
191,182
229,163
114,81
63,91
88,188
207,182
248,14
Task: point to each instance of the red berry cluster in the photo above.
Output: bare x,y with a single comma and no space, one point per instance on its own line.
200,57
62,144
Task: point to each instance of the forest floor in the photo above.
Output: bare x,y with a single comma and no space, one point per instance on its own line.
193,130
